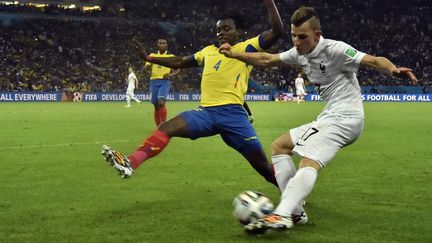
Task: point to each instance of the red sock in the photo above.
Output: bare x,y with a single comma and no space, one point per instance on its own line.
152,146
157,117
164,113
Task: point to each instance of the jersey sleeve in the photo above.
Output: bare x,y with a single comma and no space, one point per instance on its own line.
347,56
254,44
199,57
289,57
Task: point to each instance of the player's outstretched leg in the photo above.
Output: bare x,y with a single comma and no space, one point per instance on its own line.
258,160
118,161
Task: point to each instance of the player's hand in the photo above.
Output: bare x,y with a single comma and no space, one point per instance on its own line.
141,50
226,50
166,76
251,118
403,72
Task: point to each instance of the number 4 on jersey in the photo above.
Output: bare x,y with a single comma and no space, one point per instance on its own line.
217,65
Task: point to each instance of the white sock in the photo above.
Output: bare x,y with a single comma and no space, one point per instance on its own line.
285,169
128,99
297,189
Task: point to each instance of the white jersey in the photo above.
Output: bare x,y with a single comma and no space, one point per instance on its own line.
131,80
332,66
299,84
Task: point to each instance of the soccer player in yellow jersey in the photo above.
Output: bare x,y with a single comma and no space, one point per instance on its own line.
223,86
159,81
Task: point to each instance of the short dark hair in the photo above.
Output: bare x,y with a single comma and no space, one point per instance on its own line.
305,14
239,21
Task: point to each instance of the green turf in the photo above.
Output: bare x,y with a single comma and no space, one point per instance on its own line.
55,187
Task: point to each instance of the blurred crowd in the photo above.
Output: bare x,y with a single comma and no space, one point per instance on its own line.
77,51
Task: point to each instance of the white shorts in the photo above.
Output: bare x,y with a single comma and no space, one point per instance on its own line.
300,92
130,90
321,140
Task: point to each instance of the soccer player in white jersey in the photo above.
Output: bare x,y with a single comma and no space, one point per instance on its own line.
132,83
332,66
300,88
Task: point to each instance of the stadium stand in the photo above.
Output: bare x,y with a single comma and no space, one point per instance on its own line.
54,48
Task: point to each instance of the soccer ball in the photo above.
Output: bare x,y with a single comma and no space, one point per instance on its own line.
249,206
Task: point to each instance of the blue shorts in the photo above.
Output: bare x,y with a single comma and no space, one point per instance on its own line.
159,89
230,121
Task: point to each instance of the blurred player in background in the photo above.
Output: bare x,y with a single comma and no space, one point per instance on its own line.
300,88
223,87
160,81
132,84
332,65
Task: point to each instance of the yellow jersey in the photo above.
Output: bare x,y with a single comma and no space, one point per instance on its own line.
225,80
158,71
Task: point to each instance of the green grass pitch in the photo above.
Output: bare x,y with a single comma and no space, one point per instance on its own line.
55,186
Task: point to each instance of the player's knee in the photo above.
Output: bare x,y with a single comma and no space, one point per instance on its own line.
176,127
280,147
161,103
167,127
306,162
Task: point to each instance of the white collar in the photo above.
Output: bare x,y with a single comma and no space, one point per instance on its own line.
317,49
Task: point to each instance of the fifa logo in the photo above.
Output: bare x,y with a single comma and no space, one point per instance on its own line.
322,67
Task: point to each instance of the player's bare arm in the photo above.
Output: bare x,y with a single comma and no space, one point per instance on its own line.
270,36
384,65
174,62
258,59
171,62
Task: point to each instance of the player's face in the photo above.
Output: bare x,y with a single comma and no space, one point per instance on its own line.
304,38
227,31
162,45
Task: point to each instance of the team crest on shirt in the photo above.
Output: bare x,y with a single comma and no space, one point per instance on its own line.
322,67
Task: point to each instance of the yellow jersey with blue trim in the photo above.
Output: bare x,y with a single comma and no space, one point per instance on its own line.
225,80
158,71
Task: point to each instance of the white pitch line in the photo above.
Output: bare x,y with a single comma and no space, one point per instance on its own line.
60,145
